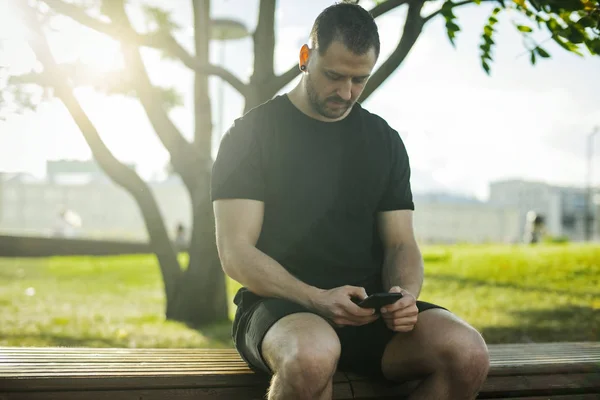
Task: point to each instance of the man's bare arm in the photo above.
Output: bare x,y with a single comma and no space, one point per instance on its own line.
403,262
238,227
239,224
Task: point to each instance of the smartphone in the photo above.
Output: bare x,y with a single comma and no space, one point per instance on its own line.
378,300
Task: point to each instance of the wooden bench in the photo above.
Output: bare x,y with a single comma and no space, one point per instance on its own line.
525,371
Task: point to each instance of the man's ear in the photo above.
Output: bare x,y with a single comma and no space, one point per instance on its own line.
303,57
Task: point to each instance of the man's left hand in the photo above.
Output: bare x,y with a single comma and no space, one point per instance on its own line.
401,316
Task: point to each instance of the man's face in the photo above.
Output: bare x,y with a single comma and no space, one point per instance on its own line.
337,78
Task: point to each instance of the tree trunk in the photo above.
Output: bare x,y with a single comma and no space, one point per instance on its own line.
132,183
159,242
201,296
257,94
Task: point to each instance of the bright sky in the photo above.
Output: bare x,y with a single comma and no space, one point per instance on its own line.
462,128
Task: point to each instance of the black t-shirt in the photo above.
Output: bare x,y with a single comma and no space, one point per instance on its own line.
322,184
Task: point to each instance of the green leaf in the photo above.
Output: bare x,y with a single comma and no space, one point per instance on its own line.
574,35
586,22
566,45
553,25
541,52
161,18
594,46
452,27
536,5
25,97
170,98
533,58
485,66
447,6
524,28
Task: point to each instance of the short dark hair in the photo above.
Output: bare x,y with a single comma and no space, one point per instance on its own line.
349,23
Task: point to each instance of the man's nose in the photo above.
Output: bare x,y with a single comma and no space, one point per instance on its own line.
345,90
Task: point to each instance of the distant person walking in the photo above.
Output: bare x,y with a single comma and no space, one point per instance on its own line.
534,228
68,224
181,242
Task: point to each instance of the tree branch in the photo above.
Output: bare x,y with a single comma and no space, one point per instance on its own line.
412,29
203,121
386,6
183,156
264,42
79,15
35,78
79,74
458,4
117,171
157,40
382,8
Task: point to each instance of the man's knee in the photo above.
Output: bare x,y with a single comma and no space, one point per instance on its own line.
311,365
303,352
465,356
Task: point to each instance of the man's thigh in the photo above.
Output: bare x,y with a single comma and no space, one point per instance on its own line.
275,328
436,337
363,347
301,339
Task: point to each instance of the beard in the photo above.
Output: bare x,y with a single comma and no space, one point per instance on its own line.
322,106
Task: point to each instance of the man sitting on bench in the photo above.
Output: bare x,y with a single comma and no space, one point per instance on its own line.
313,209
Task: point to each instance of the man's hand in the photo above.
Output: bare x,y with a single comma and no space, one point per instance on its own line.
401,316
337,306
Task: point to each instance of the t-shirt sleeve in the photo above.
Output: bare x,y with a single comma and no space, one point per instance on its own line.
398,194
237,172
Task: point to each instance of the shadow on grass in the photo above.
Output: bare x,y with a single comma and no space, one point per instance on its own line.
568,323
219,334
57,340
506,285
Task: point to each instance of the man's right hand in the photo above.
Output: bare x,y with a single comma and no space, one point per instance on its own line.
337,306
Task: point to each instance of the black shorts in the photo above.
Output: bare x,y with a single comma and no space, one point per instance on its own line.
362,347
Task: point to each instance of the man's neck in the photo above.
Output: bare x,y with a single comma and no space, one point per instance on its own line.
299,99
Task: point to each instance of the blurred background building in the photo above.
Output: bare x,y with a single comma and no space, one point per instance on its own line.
564,209
34,206
77,199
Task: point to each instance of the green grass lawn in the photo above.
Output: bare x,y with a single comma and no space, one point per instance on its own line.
509,293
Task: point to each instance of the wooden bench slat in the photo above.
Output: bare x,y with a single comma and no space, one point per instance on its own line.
66,370
157,394
171,380
112,360
233,354
537,384
516,348
175,362
130,382
562,384
342,391
92,359
553,369
254,393
119,371
560,397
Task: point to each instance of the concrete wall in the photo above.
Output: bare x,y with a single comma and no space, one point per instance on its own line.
469,223
106,210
